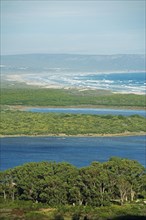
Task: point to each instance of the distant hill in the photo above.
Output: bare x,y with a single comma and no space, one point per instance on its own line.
68,62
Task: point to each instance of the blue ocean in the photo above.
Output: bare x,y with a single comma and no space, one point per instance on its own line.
116,82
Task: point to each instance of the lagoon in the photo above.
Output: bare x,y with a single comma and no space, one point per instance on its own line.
99,111
80,151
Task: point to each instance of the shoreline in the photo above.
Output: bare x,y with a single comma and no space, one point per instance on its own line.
15,78
25,107
78,135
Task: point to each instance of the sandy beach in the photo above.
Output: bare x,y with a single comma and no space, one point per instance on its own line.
79,135
79,81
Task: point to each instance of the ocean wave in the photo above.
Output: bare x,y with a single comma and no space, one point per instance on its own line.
74,80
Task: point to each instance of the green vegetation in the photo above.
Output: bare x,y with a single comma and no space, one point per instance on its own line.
27,210
49,190
60,97
27,123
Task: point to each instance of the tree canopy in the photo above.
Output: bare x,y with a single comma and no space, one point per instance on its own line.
117,180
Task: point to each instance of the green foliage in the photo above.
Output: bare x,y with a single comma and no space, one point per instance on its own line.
36,216
58,216
76,216
60,184
62,97
113,212
27,123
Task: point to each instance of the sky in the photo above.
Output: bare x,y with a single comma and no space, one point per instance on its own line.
73,27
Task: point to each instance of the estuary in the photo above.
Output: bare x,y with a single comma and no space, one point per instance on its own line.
80,151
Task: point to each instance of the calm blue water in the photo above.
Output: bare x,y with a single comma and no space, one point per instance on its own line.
92,111
80,151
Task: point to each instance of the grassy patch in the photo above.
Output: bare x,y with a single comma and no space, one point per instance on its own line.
126,212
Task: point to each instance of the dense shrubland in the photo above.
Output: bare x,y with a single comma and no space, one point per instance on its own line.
61,97
27,123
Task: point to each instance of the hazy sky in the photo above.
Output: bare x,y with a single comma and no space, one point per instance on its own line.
81,27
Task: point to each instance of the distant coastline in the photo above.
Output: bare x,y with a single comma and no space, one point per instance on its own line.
75,71
121,82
